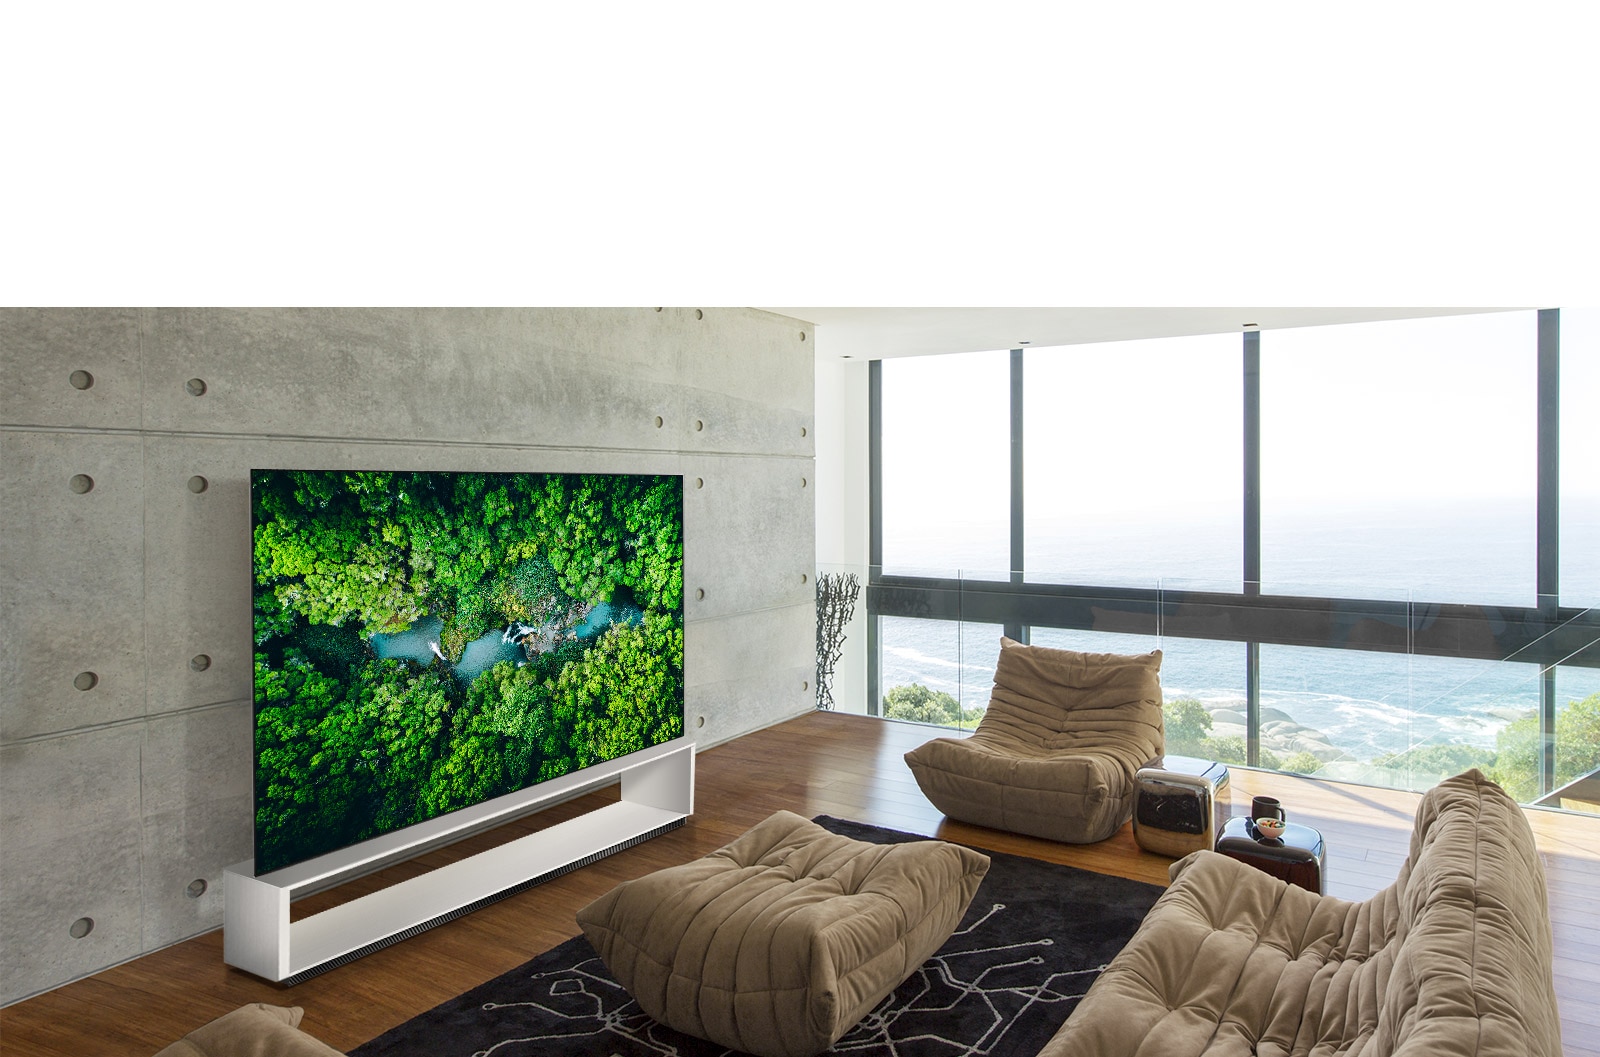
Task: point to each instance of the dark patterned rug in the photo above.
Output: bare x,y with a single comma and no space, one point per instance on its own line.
1034,939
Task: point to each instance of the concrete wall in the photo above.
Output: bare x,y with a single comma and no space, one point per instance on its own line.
114,799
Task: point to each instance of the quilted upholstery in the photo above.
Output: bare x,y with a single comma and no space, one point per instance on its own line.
1453,958
1056,752
778,943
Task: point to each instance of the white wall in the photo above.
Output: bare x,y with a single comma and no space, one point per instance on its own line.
843,497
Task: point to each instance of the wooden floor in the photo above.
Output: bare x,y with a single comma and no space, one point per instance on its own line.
846,766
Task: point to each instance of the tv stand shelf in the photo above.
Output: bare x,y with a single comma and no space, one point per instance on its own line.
258,937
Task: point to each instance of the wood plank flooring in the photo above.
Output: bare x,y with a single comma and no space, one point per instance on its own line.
846,766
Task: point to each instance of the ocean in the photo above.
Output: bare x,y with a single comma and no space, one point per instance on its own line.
1363,703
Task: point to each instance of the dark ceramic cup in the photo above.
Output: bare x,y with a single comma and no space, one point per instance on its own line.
1267,807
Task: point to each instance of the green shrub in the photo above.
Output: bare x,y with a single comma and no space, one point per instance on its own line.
1302,763
1517,749
919,704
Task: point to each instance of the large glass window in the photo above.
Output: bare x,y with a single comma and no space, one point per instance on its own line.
1134,464
946,463
1395,719
937,671
1580,457
1398,459
1399,462
1343,707
1578,737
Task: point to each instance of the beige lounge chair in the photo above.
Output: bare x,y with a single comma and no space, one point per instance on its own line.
1056,752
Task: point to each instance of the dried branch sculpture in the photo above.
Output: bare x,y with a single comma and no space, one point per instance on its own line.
836,604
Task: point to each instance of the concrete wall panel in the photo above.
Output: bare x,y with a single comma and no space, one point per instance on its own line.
40,348
748,671
197,784
755,357
60,785
71,580
751,387
197,757
718,423
749,534
197,560
195,843
48,886
472,376
69,812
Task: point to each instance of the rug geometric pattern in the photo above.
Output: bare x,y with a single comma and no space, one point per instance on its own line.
1034,939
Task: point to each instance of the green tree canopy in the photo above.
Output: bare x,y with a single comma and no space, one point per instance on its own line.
1186,725
919,704
1518,747
1436,762
495,739
305,796
624,693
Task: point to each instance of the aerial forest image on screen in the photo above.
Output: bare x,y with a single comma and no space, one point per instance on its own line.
428,641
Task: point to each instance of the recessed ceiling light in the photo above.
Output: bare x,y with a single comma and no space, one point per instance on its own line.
1024,343
1252,326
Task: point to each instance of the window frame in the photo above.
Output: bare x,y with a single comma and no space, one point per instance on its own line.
1247,616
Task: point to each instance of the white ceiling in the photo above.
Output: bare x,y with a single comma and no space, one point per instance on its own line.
877,333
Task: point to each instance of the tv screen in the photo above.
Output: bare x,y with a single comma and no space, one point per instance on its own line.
428,641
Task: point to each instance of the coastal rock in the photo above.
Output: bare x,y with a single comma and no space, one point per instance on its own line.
1281,734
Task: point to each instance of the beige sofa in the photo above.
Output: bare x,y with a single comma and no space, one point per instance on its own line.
1454,958
1056,752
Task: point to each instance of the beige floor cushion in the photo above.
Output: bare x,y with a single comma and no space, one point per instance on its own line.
780,942
1056,753
256,1030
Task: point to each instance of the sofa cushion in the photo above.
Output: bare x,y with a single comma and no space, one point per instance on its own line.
1454,957
255,1030
778,943
1056,752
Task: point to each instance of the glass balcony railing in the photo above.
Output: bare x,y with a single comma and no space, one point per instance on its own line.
1487,714
1359,687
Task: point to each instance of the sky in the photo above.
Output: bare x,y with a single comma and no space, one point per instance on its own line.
1411,439
1429,409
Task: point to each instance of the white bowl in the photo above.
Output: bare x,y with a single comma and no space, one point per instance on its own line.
1271,827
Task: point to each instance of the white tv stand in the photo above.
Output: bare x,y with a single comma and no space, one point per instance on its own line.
258,937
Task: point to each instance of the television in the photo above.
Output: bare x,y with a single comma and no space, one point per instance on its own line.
428,641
